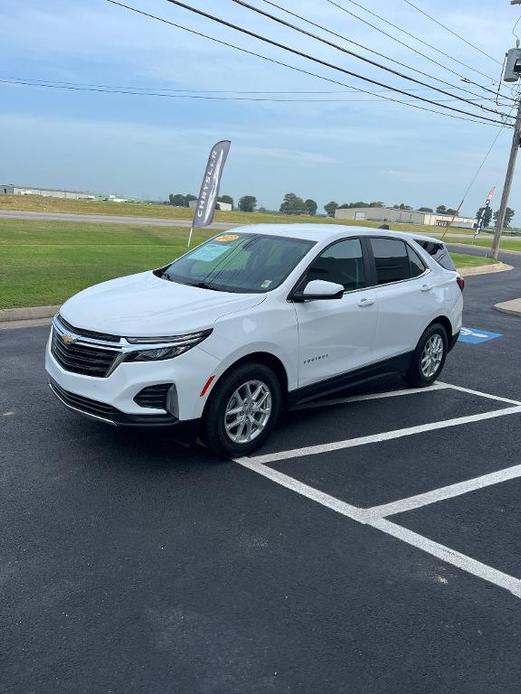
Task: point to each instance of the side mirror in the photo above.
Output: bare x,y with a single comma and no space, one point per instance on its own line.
319,289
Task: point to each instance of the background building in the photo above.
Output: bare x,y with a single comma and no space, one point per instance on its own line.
10,189
390,214
223,206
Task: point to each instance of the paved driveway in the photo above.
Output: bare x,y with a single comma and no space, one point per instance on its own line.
371,546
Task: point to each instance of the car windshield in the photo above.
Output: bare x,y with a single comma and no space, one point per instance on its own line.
235,262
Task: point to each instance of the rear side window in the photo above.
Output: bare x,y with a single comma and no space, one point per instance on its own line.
342,263
391,259
439,252
416,263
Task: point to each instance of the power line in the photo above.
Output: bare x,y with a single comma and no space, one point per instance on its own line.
325,63
451,31
408,46
481,165
182,93
279,20
205,91
485,158
372,50
476,118
416,38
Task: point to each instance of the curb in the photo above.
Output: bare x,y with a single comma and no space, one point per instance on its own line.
512,308
484,269
31,313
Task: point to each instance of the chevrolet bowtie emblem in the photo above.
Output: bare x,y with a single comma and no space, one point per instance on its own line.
68,339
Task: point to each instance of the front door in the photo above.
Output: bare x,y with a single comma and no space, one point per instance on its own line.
337,335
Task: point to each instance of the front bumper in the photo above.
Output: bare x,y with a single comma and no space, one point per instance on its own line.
111,398
106,413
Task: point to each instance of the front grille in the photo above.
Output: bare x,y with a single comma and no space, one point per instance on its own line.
79,402
153,396
106,337
82,358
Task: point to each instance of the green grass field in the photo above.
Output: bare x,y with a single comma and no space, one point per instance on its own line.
512,243
45,262
461,260
36,203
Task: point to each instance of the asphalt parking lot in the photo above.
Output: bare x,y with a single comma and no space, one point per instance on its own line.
373,545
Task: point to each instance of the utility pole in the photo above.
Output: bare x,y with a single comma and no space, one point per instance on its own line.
500,221
511,73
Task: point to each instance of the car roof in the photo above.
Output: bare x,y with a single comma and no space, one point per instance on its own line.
326,232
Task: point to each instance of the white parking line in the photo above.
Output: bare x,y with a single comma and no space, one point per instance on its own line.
331,502
481,394
374,396
384,436
377,516
450,556
448,492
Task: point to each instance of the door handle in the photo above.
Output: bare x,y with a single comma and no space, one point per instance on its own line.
365,302
426,287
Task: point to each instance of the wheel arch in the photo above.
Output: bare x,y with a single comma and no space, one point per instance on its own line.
445,322
260,357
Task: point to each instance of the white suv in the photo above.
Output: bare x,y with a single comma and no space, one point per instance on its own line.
253,321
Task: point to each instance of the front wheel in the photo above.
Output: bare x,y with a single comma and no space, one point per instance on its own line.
242,411
429,357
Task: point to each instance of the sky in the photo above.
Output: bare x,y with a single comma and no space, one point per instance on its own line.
343,145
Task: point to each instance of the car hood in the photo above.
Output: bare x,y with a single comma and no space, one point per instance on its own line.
145,305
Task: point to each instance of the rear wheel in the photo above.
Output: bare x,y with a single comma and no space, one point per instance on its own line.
242,411
429,357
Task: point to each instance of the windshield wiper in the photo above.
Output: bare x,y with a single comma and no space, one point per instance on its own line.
204,285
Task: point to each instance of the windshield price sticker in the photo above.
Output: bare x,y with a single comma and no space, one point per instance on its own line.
226,237
208,252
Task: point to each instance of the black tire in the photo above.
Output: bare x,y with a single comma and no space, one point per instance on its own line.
213,432
415,376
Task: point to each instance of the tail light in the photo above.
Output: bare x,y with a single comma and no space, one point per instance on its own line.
461,283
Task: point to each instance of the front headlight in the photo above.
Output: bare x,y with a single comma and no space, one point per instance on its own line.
170,346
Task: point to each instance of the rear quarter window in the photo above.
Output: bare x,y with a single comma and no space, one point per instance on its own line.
439,252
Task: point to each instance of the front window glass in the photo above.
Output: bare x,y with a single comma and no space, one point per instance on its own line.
342,263
234,262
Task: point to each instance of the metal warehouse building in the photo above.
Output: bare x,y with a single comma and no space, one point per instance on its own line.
391,214
10,189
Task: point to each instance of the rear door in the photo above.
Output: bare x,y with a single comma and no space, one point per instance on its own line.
404,294
337,335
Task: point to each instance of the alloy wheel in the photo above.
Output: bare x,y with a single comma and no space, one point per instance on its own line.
248,411
432,355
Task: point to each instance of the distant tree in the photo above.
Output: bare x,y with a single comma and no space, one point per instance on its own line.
441,209
247,203
292,204
509,214
452,211
311,207
487,218
189,198
376,203
225,198
177,199
402,206
425,209
331,208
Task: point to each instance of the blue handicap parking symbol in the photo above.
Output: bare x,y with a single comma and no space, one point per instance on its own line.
475,336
